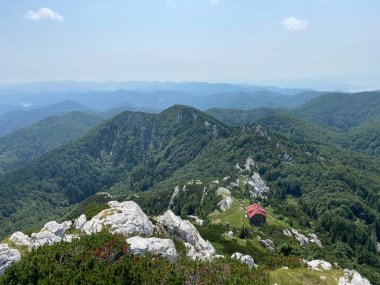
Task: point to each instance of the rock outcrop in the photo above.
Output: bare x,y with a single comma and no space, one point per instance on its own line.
227,201
244,259
155,246
268,244
174,227
20,239
352,277
257,186
80,221
51,233
302,239
319,265
124,218
197,220
7,257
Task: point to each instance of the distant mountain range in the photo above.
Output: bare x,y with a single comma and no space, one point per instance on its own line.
154,96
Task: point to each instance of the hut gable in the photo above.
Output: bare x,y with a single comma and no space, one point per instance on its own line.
256,215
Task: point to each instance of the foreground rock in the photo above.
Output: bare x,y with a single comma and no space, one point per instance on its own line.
21,239
156,246
124,218
174,227
80,221
319,265
244,259
7,257
51,233
352,277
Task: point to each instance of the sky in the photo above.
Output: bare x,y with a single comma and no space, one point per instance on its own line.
292,43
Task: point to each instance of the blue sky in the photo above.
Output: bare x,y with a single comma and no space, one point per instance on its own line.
284,42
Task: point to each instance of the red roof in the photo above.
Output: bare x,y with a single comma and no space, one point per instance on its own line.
255,209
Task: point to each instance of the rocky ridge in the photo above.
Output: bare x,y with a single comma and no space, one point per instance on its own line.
128,220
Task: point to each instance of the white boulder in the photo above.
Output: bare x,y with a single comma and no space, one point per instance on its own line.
124,218
268,244
302,239
227,201
315,239
352,277
319,265
7,257
287,233
80,221
221,191
57,229
174,227
225,204
258,187
156,246
44,237
244,259
196,220
20,239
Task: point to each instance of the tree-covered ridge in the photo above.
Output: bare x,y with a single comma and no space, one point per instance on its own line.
144,148
14,120
342,111
26,144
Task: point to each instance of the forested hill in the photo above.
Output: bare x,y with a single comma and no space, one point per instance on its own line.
342,111
351,121
153,146
26,144
15,120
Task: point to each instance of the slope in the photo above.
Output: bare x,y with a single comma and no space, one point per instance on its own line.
342,111
26,144
14,120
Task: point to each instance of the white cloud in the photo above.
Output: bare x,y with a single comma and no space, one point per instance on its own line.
214,2
294,24
43,14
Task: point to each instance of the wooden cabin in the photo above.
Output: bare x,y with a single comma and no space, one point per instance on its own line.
256,215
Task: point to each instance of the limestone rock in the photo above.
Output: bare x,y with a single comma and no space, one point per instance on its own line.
70,238
156,246
319,265
315,239
44,237
287,233
174,227
227,201
303,240
80,221
352,277
20,239
225,204
221,191
268,244
124,218
197,220
249,163
244,259
57,229
7,257
258,187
